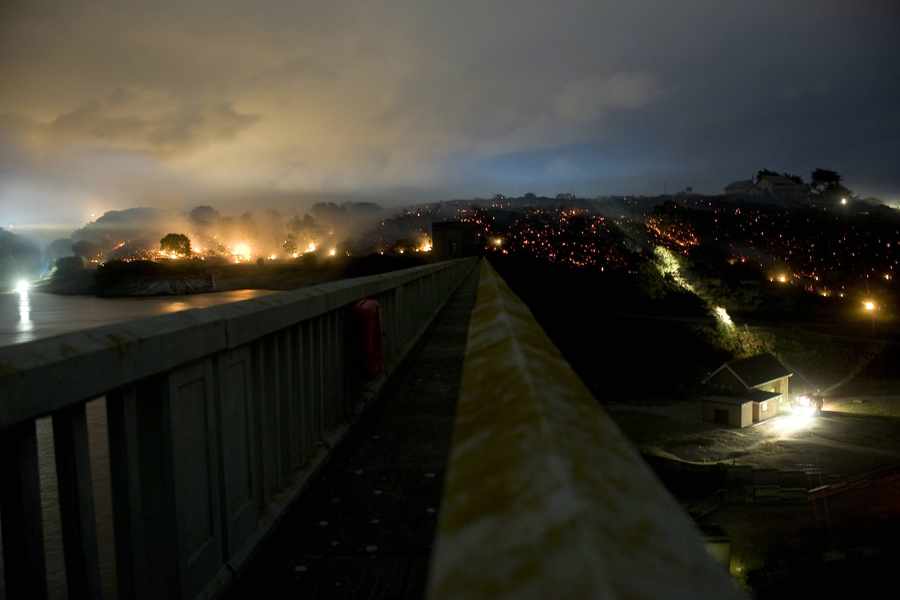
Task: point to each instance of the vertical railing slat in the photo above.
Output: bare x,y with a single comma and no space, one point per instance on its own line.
317,378
126,495
76,502
298,451
271,465
285,399
143,493
306,387
20,513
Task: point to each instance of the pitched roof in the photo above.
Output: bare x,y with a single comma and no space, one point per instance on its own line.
758,369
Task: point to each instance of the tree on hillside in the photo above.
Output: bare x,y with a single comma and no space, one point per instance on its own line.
177,243
825,179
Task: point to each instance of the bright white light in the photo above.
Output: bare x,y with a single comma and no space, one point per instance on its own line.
242,251
869,306
843,201
723,316
22,286
801,417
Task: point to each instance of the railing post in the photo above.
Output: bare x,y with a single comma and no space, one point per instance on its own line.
298,436
238,472
398,328
307,415
142,491
268,405
344,400
76,502
335,414
284,400
20,513
318,378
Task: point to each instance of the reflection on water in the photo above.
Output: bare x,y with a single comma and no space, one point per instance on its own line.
25,324
175,307
25,316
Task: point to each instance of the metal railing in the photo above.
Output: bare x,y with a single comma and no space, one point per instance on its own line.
215,417
544,496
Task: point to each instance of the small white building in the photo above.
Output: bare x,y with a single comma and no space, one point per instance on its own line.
746,391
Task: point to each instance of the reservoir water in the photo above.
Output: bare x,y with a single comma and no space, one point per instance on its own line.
32,315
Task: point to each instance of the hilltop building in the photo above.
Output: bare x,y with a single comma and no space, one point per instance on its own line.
772,185
782,187
743,187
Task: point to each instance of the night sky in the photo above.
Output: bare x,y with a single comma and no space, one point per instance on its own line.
110,104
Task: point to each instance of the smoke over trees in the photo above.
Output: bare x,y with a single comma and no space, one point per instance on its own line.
137,232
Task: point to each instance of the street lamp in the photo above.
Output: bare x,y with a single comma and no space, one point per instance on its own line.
870,307
843,202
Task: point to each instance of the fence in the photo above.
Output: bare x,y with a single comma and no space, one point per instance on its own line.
216,418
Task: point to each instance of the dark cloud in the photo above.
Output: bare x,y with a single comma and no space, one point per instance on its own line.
120,103
122,122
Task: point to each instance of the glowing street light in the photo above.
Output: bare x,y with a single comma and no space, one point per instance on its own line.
869,306
843,202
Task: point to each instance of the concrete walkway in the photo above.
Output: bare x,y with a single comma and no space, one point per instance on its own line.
366,523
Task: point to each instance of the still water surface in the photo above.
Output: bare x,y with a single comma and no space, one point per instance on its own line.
34,315
30,316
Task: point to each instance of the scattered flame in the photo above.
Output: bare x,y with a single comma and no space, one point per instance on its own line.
241,251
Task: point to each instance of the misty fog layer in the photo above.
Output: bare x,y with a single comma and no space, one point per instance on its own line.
119,104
